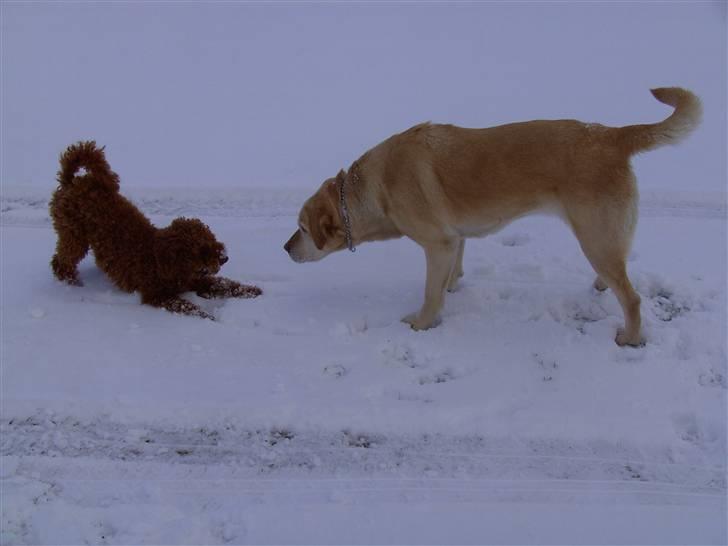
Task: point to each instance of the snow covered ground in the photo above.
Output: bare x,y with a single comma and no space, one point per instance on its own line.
312,415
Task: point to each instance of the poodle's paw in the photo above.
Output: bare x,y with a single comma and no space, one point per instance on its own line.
65,273
183,307
222,287
71,281
195,311
245,291
198,313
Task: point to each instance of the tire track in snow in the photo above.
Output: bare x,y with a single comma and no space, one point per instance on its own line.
271,461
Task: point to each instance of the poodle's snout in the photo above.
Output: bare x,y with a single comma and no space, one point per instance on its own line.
223,260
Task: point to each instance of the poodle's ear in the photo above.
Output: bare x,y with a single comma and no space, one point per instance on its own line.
168,253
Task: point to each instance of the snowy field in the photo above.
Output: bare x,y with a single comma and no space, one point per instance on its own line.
312,415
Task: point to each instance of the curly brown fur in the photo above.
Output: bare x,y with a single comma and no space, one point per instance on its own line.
88,212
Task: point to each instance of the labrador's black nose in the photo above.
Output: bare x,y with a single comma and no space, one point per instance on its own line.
287,247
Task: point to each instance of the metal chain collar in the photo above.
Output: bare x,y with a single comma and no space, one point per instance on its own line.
345,211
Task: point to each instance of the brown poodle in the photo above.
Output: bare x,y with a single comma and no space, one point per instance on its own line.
88,212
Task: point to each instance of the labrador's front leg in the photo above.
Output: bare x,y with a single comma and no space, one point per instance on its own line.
441,260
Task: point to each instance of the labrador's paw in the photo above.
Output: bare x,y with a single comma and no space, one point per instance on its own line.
623,339
417,323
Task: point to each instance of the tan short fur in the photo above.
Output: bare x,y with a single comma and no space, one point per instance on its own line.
440,184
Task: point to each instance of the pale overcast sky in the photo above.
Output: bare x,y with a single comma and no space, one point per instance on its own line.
251,94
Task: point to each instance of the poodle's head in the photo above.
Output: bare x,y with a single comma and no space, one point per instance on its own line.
187,250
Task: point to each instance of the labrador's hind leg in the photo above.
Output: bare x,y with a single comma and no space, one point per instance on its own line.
457,270
605,236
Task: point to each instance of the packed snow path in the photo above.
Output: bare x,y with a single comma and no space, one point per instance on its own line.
312,414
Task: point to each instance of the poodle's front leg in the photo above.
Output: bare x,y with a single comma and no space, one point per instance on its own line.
222,287
184,307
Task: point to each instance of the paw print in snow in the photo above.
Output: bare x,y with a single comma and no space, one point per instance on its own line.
712,378
440,377
548,366
398,354
335,370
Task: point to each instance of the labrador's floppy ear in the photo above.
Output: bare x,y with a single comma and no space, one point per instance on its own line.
321,229
322,222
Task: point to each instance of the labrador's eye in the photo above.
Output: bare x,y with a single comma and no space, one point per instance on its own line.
303,229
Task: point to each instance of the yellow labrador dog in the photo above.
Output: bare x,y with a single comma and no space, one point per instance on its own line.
440,184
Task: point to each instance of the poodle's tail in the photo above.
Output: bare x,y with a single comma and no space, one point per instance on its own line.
683,121
86,155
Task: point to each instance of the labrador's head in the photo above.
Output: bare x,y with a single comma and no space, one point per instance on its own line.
320,229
